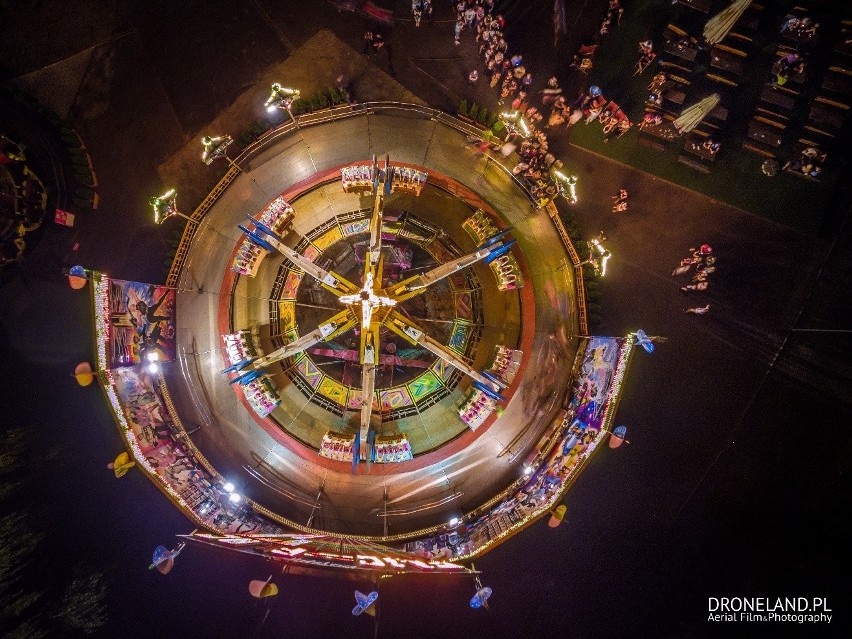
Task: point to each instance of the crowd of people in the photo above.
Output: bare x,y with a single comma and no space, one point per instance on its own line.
791,64
702,263
808,162
420,8
801,28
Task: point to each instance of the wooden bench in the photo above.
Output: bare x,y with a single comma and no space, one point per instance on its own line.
673,32
840,105
719,78
772,114
693,164
759,151
739,36
813,129
763,120
672,65
737,52
799,174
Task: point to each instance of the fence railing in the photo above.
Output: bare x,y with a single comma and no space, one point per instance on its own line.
553,213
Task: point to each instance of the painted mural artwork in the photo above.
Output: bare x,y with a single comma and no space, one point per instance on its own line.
142,319
581,429
153,432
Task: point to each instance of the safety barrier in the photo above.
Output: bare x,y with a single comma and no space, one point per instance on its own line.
553,213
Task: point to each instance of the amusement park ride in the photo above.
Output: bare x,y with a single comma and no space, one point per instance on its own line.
371,306
367,301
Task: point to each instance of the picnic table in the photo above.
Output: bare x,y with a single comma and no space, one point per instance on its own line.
825,114
663,131
726,62
696,147
719,113
761,133
800,36
675,96
838,83
778,98
699,5
682,52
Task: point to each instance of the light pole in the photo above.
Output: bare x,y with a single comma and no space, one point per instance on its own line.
216,147
516,124
165,206
282,98
598,257
568,182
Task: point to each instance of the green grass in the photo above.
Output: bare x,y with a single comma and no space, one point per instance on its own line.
735,178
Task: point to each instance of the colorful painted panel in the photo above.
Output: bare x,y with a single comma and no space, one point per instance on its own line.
291,285
333,390
308,370
354,401
142,317
328,238
287,315
311,252
459,336
442,370
424,385
464,306
395,398
358,226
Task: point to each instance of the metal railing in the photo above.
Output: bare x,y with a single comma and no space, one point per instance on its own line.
195,220
553,213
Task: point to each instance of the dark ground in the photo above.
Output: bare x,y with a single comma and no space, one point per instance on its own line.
735,480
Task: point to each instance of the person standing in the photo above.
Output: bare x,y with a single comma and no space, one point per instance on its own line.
368,43
378,42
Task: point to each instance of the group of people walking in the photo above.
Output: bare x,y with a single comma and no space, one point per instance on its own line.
702,263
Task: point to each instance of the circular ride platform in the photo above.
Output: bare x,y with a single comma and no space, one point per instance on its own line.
454,468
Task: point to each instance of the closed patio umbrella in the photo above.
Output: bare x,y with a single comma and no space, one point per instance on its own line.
692,115
719,25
